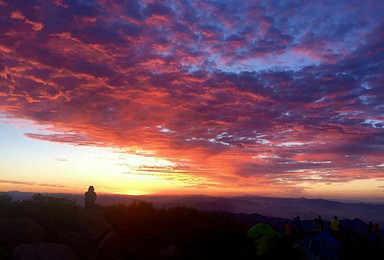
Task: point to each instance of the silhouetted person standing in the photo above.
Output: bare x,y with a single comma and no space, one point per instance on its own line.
370,231
287,229
90,198
321,224
315,226
335,228
376,235
297,223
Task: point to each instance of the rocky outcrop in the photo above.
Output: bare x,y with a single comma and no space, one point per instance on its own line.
168,252
94,226
20,231
43,251
109,248
92,238
78,242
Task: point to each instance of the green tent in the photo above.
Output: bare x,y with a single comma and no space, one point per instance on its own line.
262,230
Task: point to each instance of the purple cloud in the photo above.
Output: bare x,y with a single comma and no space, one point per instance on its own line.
224,80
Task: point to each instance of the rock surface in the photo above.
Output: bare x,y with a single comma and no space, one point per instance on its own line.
94,225
109,248
43,251
78,242
20,231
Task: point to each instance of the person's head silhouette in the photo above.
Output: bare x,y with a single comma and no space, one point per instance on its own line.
91,189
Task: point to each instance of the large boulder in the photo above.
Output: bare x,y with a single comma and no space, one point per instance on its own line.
78,242
43,251
109,248
5,252
168,252
20,231
94,225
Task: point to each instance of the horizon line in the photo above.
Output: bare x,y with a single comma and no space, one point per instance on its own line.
335,199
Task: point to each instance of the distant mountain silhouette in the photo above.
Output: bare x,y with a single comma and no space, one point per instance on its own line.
284,208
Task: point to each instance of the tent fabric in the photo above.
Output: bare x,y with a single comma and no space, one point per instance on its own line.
262,230
264,245
320,246
306,252
326,236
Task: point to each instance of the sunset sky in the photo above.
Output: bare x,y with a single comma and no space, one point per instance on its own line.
217,97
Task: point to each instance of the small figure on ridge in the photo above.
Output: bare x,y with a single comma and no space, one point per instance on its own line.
297,225
90,198
287,229
370,232
321,224
335,227
376,235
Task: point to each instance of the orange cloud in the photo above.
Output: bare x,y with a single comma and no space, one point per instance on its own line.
235,98
19,16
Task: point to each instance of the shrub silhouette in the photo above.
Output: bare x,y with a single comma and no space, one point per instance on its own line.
196,234
5,204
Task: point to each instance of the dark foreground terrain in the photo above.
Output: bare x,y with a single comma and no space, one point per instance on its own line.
48,227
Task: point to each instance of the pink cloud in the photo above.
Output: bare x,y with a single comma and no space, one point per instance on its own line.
173,82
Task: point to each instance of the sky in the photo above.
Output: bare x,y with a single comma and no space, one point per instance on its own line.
273,98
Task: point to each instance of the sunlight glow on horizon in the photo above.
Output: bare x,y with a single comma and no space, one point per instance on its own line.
62,167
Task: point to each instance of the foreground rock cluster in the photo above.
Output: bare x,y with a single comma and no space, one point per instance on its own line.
94,238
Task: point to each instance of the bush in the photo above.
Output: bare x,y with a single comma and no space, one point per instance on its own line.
197,234
5,203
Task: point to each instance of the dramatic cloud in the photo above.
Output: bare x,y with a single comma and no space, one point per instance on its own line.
32,184
232,92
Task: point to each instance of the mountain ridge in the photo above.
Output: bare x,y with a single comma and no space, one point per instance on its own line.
286,208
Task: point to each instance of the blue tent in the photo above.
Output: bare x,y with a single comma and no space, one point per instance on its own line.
323,246
326,236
